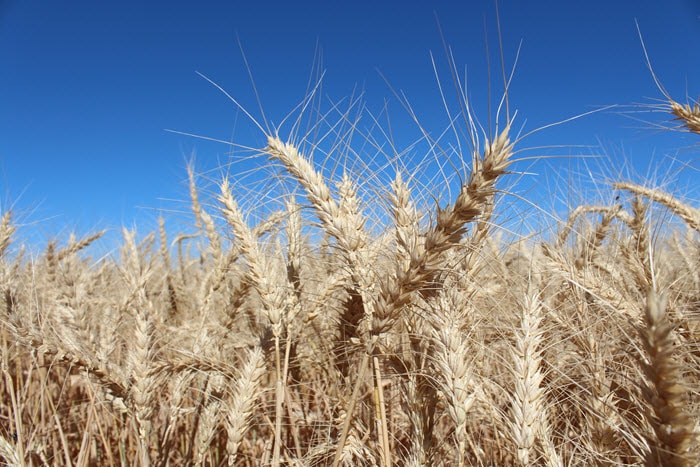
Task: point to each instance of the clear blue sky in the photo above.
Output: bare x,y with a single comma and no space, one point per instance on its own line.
87,88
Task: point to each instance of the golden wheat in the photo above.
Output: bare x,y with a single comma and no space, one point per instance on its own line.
334,333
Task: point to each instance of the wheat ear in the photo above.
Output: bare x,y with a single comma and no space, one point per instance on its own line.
6,231
419,272
528,401
9,453
689,214
273,301
673,429
169,279
453,357
209,419
689,115
75,246
136,274
347,229
242,401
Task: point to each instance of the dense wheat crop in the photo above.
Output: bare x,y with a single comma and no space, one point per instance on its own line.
346,329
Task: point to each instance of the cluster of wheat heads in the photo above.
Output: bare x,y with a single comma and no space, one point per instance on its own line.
315,338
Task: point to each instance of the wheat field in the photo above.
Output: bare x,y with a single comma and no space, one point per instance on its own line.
346,329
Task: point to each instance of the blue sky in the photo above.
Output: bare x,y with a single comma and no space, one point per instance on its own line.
87,89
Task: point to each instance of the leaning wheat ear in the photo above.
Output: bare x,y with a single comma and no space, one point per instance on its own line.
689,214
347,227
418,273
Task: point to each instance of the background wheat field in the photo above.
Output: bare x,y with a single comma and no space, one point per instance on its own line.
340,312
